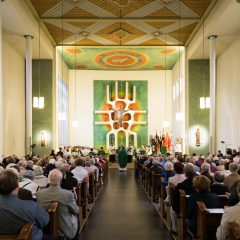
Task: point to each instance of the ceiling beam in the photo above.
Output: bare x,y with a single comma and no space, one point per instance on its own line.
120,19
117,46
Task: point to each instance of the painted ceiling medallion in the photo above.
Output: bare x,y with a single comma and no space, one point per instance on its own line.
121,59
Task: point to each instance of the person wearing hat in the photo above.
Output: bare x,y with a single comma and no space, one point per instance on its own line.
27,182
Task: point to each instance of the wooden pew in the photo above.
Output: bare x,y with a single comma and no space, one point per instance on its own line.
181,218
52,227
91,187
155,183
167,206
95,183
100,179
25,233
84,199
234,231
208,221
78,201
161,200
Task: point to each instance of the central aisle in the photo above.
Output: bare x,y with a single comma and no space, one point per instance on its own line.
123,212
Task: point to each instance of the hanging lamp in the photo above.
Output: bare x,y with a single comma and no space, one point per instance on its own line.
179,114
38,102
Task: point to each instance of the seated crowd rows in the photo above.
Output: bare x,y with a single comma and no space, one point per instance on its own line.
203,178
28,185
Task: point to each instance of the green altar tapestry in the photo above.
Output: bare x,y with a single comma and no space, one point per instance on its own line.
122,158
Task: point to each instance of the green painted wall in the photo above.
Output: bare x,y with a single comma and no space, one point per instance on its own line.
42,118
198,118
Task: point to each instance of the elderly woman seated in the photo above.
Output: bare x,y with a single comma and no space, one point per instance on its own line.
202,187
39,178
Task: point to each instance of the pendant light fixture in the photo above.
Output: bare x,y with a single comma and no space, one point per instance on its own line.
204,101
179,114
165,122
38,102
75,121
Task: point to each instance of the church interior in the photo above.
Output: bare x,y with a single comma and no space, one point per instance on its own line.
133,104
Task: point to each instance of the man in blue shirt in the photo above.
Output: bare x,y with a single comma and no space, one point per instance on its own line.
14,213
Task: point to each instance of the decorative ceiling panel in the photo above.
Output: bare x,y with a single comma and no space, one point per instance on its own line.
132,25
143,20
120,58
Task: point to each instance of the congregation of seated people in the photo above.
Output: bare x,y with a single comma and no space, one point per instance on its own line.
207,179
28,185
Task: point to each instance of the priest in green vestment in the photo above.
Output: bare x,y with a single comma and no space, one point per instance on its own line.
122,159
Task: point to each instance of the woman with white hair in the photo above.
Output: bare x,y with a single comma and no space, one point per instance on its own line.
168,172
67,208
39,178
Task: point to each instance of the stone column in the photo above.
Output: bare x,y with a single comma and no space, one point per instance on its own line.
212,140
28,98
1,90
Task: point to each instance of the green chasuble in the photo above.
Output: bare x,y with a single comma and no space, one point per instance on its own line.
122,158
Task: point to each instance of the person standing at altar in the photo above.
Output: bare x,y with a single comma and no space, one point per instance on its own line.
122,159
112,153
130,153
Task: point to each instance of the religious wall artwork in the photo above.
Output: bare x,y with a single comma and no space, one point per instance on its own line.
120,58
43,139
198,137
120,113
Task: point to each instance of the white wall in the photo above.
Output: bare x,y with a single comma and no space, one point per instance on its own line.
178,127
83,135
13,101
228,86
62,72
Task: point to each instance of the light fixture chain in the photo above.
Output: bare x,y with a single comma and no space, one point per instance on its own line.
179,55
39,59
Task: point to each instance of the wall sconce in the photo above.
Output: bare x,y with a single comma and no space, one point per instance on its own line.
43,138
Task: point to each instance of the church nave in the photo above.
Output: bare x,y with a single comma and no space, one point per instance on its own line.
123,211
